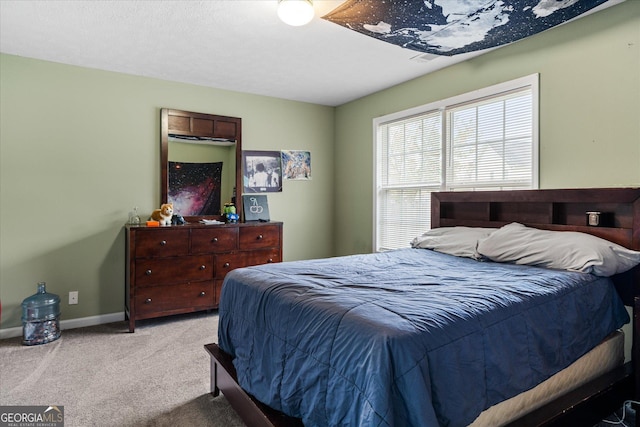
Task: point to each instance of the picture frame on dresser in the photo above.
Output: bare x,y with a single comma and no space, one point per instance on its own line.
256,207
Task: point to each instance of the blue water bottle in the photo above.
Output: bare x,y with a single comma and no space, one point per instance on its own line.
40,317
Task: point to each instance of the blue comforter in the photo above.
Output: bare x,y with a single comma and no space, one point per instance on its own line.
406,338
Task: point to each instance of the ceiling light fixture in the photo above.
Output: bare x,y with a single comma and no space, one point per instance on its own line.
295,12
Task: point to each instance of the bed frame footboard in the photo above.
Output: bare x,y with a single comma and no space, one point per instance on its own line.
252,412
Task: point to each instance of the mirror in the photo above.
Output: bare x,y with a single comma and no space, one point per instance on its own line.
200,154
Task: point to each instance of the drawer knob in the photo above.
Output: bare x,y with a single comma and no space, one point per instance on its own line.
270,260
148,272
259,237
163,243
202,267
203,293
147,301
215,240
226,264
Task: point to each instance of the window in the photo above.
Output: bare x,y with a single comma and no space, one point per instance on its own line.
483,140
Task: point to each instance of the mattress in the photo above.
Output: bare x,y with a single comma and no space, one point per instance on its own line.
406,338
606,356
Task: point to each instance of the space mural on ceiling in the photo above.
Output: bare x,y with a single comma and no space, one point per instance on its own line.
451,27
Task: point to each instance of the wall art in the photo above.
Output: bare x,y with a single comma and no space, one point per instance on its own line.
262,171
452,27
296,164
194,188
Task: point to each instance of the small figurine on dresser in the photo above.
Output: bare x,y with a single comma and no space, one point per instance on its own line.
177,219
229,213
164,214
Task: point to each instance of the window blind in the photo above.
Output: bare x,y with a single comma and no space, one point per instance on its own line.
410,168
471,142
490,143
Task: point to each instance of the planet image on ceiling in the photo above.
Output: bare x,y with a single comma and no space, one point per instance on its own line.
452,27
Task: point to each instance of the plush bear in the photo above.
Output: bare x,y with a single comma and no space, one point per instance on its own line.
164,214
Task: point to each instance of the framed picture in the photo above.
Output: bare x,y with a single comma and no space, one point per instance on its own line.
262,171
255,207
296,164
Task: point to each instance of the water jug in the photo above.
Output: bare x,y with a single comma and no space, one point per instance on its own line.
40,317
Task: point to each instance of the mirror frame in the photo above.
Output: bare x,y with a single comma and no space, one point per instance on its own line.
181,122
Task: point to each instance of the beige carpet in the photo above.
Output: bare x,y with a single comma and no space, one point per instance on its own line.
105,376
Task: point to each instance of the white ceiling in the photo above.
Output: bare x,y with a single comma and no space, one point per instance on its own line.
238,45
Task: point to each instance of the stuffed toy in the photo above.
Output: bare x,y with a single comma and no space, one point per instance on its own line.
164,214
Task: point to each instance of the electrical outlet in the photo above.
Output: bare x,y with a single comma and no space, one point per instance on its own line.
73,297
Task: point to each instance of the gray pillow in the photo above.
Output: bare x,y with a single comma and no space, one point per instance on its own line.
564,250
458,241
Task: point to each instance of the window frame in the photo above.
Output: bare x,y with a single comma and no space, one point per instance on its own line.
531,81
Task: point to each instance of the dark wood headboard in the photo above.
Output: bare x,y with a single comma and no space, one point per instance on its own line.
562,210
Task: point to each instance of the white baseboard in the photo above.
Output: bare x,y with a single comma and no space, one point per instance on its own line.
70,324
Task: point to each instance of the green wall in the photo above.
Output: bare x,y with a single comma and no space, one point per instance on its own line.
80,147
589,112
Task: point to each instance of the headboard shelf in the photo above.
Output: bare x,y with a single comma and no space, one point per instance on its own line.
529,212
560,210
574,213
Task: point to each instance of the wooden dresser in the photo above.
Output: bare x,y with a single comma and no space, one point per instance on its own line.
180,269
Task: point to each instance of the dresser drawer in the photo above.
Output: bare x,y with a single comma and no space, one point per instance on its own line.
214,240
175,298
226,263
264,236
161,243
173,270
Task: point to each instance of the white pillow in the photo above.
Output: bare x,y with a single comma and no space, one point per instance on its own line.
565,250
458,241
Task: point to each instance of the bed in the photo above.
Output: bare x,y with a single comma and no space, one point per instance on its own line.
377,339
